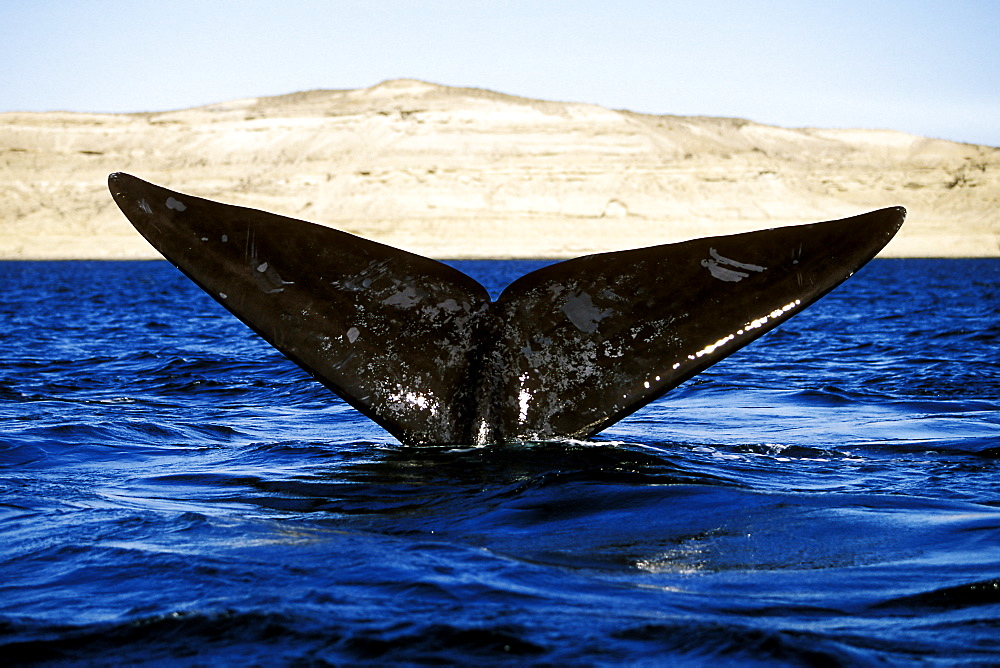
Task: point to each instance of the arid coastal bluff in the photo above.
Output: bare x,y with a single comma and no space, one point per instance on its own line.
468,173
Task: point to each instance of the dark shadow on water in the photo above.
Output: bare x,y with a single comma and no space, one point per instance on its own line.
548,462
367,479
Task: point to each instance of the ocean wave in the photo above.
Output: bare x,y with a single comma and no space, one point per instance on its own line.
174,491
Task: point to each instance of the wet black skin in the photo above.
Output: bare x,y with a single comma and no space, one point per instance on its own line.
564,352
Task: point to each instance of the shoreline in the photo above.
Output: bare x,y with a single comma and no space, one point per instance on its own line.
453,172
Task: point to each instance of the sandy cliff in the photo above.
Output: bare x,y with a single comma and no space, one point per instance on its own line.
453,172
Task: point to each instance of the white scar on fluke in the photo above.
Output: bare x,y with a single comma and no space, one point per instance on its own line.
718,267
175,204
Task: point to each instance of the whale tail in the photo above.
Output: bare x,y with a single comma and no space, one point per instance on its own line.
565,351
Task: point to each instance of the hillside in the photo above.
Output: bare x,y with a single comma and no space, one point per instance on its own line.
456,172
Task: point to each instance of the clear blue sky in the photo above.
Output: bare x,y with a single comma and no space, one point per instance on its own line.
930,68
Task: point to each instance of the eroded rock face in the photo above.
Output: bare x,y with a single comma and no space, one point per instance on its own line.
453,172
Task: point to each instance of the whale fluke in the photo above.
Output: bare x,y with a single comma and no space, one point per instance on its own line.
565,351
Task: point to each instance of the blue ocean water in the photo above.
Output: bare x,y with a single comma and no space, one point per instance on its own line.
175,490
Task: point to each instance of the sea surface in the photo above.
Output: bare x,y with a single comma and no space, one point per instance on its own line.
173,490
